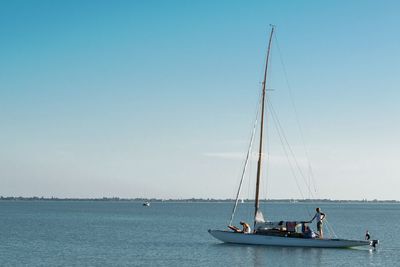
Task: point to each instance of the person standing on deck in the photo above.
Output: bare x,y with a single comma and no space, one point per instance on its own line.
320,216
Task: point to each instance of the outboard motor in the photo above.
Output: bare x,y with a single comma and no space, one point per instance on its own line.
374,243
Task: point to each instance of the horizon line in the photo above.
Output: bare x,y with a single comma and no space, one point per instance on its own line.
35,198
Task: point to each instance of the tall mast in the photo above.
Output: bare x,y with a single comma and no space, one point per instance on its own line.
260,150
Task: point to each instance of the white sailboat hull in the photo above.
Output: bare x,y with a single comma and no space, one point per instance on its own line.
257,239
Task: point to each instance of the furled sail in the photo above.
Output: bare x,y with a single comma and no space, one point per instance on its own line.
259,218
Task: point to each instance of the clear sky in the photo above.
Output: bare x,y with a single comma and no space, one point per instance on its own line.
157,98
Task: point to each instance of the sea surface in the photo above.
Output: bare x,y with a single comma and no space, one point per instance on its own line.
97,233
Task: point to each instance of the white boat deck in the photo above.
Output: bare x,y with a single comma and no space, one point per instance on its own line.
258,239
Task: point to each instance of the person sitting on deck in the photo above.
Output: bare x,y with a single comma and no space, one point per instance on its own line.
281,226
307,232
320,216
246,228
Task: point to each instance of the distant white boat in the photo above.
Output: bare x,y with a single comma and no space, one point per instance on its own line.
146,204
290,234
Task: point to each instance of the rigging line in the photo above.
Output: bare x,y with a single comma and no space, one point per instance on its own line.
287,154
310,169
330,231
250,174
330,228
251,162
275,117
290,149
245,166
311,173
292,168
267,171
267,160
276,120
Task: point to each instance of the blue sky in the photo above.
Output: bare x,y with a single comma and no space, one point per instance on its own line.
157,98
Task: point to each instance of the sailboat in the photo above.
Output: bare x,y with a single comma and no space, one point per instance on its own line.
280,233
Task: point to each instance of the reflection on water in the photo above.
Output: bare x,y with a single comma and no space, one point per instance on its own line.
175,234
256,256
273,256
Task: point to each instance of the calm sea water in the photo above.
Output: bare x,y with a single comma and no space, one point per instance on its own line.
175,234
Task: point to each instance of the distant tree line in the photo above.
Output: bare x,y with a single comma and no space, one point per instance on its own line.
190,200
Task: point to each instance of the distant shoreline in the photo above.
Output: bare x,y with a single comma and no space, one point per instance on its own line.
194,200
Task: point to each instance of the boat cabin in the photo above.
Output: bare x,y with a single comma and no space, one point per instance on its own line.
285,228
